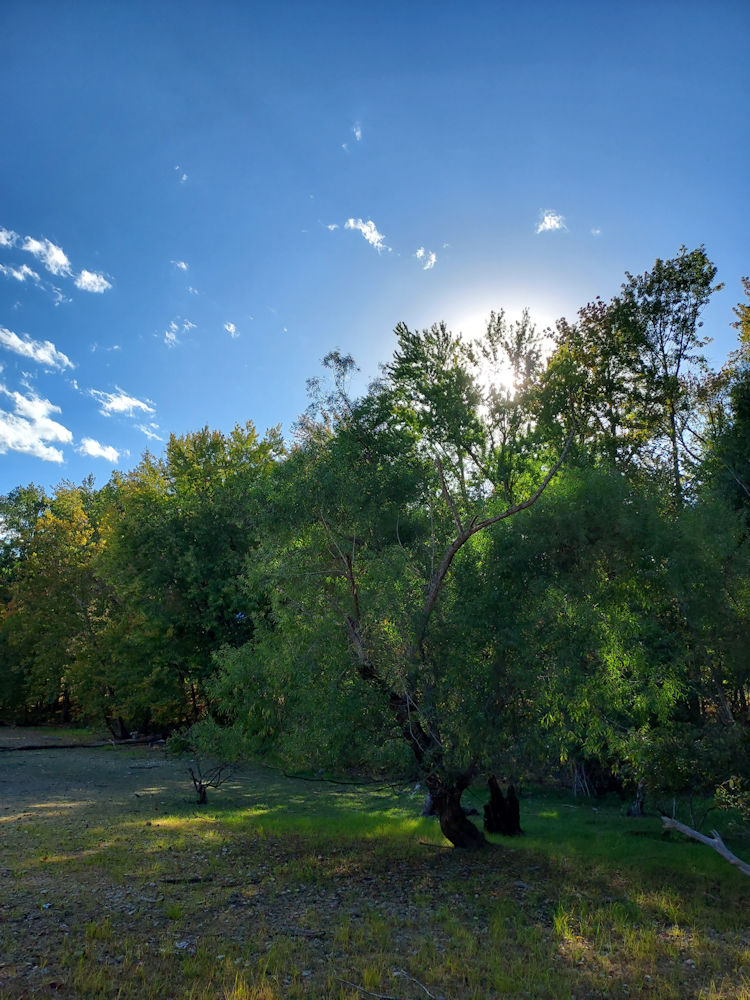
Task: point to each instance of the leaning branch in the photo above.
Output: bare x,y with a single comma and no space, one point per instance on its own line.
714,841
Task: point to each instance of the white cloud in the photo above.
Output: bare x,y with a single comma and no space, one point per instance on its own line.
428,256
150,431
549,221
89,281
179,264
596,231
357,131
231,330
29,429
7,237
370,233
52,256
333,225
92,448
170,335
19,273
193,291
119,402
183,178
42,351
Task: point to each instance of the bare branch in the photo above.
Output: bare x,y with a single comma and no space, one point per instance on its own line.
367,993
402,972
714,841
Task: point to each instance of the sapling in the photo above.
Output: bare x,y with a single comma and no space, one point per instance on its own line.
215,752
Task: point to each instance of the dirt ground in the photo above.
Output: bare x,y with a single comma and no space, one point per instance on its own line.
114,883
83,776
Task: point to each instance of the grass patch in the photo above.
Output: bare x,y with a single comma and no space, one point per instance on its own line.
115,884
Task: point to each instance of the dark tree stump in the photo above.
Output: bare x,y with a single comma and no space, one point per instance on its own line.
502,815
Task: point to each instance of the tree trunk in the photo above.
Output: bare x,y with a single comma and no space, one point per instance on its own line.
455,826
636,807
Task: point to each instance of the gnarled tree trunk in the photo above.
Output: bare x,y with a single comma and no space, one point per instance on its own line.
446,802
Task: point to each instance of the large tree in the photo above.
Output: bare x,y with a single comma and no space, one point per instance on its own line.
361,655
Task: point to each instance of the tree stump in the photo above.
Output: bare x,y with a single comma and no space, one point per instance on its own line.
502,814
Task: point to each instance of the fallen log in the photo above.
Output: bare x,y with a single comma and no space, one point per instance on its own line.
76,746
714,841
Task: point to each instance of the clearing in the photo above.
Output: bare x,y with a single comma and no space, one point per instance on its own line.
116,884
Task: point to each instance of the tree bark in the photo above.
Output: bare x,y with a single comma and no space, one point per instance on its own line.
454,824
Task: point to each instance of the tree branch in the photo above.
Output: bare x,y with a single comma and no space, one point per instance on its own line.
447,497
714,841
464,535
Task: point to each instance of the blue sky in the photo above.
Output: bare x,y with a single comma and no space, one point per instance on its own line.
199,200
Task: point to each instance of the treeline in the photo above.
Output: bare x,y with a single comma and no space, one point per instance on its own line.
506,555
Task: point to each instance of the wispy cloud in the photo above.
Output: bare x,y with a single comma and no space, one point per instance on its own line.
150,431
596,231
119,402
7,237
370,233
429,257
30,428
181,265
19,273
332,226
193,291
93,449
43,352
52,256
183,176
231,330
89,281
549,221
357,131
170,335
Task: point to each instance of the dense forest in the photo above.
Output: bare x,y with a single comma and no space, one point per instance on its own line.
524,554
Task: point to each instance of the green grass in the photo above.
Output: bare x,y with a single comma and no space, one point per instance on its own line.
281,888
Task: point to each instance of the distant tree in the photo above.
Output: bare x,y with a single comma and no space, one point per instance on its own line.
631,367
20,511
57,600
178,537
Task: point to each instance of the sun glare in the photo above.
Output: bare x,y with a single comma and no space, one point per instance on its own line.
471,323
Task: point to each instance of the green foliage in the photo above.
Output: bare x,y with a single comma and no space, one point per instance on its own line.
492,559
115,600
